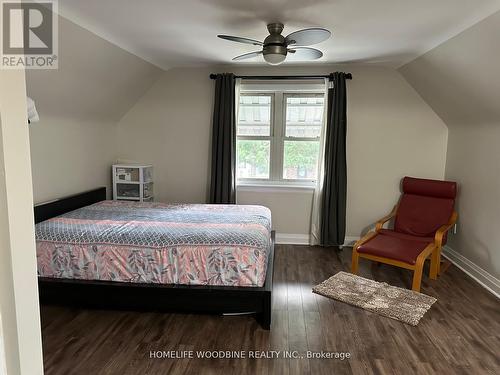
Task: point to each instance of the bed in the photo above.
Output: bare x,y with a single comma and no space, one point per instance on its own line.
154,256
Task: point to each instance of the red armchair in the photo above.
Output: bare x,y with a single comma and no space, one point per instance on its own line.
423,217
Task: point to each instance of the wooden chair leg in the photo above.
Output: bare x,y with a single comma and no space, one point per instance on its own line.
438,255
434,265
443,266
430,250
355,261
417,277
355,254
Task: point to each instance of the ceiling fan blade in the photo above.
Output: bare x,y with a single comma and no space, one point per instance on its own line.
241,40
307,37
247,56
303,53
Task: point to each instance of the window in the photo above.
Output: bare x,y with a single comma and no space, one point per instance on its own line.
278,137
254,138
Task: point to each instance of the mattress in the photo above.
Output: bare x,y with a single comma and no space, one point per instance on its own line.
194,244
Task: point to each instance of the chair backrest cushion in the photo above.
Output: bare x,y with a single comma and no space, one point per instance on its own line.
425,206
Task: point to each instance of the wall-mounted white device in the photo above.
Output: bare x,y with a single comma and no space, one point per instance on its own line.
32,112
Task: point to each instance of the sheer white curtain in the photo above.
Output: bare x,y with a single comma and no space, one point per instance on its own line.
316,206
237,89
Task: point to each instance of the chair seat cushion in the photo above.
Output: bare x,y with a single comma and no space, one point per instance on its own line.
404,236
395,246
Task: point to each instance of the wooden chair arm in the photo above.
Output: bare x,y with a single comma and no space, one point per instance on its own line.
364,239
424,254
438,237
380,223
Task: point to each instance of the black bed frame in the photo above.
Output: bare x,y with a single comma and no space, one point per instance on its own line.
156,297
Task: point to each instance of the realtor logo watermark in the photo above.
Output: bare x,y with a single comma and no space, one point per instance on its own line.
29,37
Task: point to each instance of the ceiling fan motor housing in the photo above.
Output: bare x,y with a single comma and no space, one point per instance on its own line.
275,44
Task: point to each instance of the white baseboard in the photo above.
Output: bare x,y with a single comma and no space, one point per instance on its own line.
488,281
304,239
292,239
350,241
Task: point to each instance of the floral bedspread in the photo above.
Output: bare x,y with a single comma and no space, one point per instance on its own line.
196,244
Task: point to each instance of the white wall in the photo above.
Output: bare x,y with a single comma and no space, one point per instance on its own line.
73,145
392,132
18,282
460,80
7,306
291,208
3,360
70,156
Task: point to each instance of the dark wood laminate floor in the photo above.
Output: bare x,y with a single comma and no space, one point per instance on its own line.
459,335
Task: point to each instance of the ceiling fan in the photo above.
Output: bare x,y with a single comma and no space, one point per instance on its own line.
276,48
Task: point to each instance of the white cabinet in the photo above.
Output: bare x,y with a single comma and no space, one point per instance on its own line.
133,182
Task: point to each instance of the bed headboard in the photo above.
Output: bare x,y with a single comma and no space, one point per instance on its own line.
45,211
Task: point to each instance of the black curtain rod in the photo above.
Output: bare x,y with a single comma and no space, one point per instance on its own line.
348,76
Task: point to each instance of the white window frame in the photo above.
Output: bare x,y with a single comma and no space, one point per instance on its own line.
277,136
269,138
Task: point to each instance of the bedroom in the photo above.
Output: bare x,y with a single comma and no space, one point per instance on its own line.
132,86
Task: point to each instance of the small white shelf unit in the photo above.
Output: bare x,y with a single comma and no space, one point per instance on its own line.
133,182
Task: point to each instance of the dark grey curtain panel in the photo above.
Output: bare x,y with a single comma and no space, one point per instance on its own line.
223,174
333,203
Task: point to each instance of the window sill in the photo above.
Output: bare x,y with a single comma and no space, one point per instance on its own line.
270,188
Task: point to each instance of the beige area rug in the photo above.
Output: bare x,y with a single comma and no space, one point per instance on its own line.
397,303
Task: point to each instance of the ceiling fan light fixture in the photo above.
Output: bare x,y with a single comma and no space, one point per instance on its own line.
274,53
274,58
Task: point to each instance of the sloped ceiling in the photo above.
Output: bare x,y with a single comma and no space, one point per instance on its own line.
96,80
460,79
